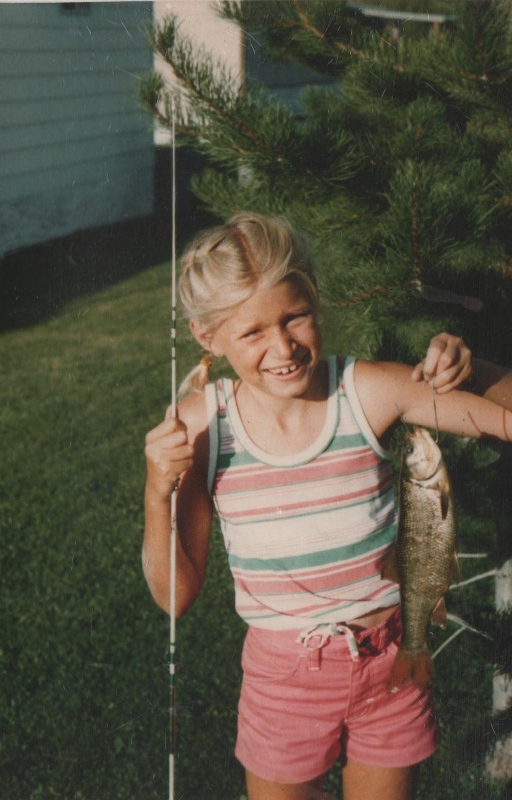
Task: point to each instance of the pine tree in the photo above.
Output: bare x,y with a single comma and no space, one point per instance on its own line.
399,170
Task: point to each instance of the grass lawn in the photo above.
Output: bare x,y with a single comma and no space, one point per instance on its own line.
84,650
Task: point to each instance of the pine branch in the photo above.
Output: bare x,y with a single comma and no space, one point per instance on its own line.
474,64
490,574
220,117
307,25
472,555
221,100
369,295
330,45
463,626
287,17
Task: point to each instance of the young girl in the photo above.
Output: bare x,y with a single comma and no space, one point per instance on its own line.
292,455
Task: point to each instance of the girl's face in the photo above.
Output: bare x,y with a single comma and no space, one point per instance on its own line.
272,340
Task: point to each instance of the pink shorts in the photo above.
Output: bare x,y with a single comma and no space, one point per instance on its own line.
301,708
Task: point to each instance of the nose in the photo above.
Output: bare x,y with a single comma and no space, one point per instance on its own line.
283,343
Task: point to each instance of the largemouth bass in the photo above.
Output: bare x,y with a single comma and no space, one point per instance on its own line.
424,557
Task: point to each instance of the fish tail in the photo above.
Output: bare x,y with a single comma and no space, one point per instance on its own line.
407,667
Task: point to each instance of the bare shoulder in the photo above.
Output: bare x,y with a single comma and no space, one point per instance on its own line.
371,375
382,388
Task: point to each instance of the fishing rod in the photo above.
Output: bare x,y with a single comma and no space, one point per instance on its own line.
173,532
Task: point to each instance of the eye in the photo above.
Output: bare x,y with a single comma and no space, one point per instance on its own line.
299,317
251,334
409,449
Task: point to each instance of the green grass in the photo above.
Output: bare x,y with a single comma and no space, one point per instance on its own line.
84,652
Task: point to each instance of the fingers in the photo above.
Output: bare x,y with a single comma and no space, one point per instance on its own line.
169,457
444,351
448,363
170,425
418,371
168,454
451,378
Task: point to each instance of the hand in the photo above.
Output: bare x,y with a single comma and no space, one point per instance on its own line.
448,363
168,455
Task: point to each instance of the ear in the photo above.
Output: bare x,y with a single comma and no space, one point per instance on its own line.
200,335
205,338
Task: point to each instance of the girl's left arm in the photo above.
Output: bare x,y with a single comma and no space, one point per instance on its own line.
387,393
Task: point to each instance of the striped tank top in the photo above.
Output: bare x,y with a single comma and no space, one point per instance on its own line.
305,534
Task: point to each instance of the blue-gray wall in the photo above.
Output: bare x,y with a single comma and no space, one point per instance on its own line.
76,150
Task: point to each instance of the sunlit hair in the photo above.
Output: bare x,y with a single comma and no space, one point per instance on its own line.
223,266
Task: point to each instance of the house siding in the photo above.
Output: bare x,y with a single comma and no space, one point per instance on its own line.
76,148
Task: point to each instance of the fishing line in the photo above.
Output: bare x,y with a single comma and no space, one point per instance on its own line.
435,410
173,532
402,419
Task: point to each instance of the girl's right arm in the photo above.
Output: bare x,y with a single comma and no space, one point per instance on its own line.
177,447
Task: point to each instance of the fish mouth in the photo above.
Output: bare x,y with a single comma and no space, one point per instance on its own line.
424,480
424,459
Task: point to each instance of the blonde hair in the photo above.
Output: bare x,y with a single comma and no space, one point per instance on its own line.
223,266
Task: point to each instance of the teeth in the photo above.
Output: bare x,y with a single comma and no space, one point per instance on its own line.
285,370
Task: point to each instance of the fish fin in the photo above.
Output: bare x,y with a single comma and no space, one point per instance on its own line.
407,667
445,495
439,614
389,568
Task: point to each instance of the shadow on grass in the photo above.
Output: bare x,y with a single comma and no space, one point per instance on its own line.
37,281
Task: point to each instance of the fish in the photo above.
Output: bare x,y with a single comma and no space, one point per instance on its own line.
423,559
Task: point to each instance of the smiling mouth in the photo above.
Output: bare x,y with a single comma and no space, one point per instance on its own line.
288,370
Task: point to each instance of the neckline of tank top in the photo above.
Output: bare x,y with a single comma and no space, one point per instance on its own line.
302,456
